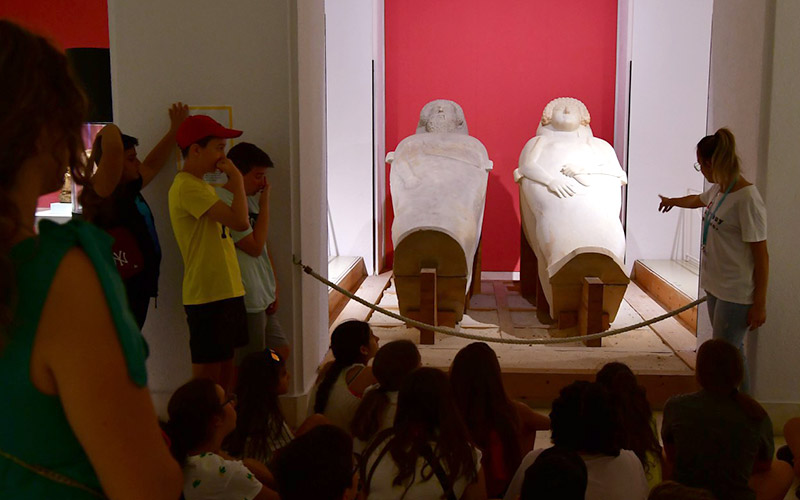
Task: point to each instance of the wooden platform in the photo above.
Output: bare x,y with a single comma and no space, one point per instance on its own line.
662,356
666,293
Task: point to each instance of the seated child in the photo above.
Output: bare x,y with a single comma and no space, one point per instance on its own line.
260,426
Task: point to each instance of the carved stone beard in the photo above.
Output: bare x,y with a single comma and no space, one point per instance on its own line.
441,122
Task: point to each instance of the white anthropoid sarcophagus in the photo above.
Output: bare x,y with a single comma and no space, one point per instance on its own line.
438,183
570,200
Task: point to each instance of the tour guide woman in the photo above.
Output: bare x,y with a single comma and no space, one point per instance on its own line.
735,264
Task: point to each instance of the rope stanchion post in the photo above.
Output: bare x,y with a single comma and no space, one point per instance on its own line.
457,333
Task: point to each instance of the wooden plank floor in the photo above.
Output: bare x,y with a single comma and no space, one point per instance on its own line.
661,355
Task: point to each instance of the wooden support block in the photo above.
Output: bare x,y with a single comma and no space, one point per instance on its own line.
590,315
427,301
567,319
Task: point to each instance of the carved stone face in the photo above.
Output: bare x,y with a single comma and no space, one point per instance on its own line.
443,119
566,117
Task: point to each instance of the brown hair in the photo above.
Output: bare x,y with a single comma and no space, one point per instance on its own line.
477,384
392,364
720,369
720,150
635,415
38,95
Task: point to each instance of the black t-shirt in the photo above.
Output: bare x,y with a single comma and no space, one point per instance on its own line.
126,207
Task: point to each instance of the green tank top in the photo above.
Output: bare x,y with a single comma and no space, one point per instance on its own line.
33,426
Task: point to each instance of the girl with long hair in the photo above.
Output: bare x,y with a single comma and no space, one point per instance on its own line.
637,427
719,438
735,265
261,428
501,428
78,421
428,452
342,382
376,412
201,415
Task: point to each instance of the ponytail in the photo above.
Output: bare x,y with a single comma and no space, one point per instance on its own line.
720,150
346,342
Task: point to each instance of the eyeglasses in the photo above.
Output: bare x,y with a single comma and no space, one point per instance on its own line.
697,166
232,399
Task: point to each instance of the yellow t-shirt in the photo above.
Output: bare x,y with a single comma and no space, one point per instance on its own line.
210,268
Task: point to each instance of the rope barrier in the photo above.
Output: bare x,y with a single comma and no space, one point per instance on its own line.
458,333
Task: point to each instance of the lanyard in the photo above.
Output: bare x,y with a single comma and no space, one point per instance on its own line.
707,222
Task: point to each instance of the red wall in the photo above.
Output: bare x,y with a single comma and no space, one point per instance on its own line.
68,23
502,61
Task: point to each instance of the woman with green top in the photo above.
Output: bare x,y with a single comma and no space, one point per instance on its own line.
77,419
735,265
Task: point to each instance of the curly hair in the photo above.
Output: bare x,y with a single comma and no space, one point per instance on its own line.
39,99
547,114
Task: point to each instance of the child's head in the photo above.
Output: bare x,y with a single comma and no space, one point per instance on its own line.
476,378
584,420
318,465
253,163
262,374
556,474
262,378
202,141
130,159
393,362
199,411
425,403
720,367
353,342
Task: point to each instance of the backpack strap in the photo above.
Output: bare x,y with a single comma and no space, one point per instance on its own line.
436,464
366,478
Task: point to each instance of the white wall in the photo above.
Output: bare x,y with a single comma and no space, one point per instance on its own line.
348,64
242,54
754,91
777,370
312,303
669,90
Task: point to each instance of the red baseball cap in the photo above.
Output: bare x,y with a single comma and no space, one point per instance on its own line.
197,127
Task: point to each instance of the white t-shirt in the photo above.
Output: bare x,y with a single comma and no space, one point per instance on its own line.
342,403
610,478
727,269
257,274
381,487
210,477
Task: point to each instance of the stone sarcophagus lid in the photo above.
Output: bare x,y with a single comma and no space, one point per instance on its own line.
438,183
570,201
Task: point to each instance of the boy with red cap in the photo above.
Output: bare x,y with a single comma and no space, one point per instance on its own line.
212,284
